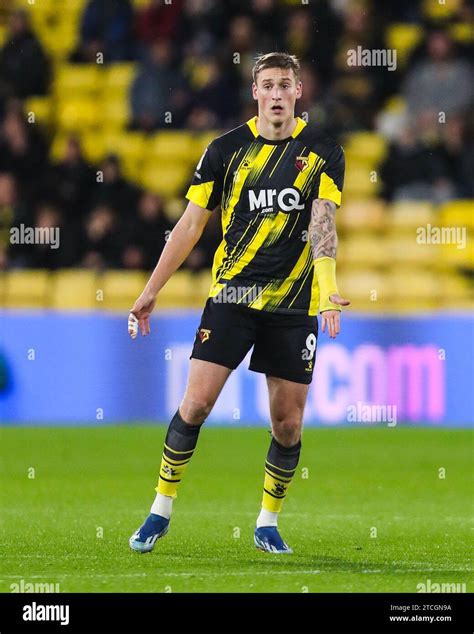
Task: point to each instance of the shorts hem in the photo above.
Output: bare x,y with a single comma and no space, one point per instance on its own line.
287,376
216,361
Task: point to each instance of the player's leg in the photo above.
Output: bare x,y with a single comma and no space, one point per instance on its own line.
287,402
222,340
284,351
205,382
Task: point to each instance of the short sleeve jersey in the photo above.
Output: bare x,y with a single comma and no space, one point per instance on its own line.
265,190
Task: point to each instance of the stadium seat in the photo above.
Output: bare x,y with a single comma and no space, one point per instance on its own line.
198,72
129,146
74,81
132,168
369,146
455,291
356,160
436,10
403,37
93,146
70,13
59,42
41,14
116,113
410,214
457,221
183,290
174,208
3,283
27,289
204,138
79,114
454,255
395,104
173,145
117,80
74,289
3,34
462,32
42,109
367,289
361,215
165,179
200,142
404,248
55,22
414,289
360,183
363,249
58,146
202,284
458,213
125,144
121,288
44,5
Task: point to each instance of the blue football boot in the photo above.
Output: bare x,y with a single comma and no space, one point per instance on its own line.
268,539
154,527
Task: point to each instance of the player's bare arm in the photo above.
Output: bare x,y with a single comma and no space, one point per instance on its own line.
322,229
181,242
323,240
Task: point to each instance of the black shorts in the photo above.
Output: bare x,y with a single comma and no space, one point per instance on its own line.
284,345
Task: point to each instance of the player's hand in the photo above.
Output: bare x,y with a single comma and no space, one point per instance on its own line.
139,317
332,318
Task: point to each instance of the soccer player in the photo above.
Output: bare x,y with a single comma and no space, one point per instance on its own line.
278,182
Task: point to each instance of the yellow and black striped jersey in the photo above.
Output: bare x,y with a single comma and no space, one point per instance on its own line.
265,190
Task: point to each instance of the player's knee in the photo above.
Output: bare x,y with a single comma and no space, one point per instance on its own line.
195,411
287,430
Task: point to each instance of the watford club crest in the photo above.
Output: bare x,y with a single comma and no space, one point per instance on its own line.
204,334
302,163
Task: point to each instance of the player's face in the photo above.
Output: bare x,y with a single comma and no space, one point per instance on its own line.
276,91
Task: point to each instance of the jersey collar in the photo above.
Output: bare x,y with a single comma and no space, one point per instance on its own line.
252,124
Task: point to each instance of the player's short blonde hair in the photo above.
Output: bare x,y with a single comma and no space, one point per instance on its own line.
276,60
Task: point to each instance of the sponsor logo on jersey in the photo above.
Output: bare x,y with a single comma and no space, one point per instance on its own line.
264,200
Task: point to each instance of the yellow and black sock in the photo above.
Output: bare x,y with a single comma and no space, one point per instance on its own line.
180,442
280,467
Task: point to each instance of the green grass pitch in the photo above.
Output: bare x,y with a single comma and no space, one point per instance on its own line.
372,515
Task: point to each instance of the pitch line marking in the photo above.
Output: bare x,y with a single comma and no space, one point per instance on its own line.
234,574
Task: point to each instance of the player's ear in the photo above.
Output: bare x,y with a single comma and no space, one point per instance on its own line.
254,91
299,89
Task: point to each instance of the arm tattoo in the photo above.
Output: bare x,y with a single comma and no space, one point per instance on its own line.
322,228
